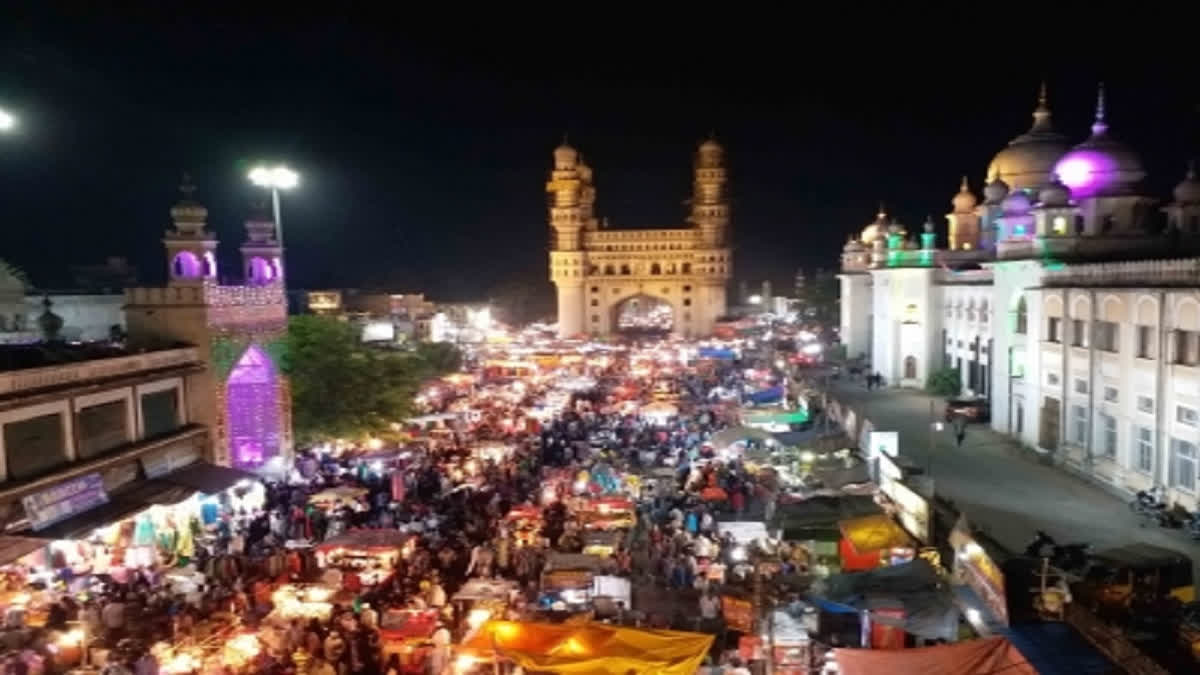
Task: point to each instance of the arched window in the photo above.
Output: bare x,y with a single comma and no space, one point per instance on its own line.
687,268
610,270
625,270
655,268
1022,316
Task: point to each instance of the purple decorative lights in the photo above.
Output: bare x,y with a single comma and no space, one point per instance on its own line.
252,403
1086,172
187,266
261,271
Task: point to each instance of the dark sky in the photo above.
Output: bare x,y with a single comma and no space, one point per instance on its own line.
424,153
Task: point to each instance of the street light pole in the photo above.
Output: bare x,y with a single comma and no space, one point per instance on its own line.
276,179
278,218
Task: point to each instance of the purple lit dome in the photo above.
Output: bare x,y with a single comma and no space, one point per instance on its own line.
1017,203
1188,191
1055,193
1029,159
1101,165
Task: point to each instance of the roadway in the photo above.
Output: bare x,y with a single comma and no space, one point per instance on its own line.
1001,491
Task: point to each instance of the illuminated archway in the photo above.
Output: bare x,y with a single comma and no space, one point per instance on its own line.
252,407
187,266
643,314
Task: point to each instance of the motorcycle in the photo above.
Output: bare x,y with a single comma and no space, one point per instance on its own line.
1152,505
1067,557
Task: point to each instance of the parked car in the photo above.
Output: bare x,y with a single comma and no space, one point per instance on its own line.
969,409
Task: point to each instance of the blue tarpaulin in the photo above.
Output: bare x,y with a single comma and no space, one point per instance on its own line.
766,395
715,353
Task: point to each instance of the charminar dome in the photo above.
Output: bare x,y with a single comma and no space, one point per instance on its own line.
1028,160
565,156
876,229
1101,165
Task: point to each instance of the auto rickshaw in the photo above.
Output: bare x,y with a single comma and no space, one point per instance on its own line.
1132,579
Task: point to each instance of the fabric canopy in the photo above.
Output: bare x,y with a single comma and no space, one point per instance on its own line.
972,657
727,437
591,648
929,607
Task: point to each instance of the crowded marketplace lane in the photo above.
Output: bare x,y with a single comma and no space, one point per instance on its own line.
1007,495
557,506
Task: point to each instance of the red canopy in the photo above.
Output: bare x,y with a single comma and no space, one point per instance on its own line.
973,657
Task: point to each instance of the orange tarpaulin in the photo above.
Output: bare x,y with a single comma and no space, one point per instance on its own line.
590,648
973,657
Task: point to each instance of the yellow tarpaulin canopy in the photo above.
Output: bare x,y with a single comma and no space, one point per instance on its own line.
590,648
874,533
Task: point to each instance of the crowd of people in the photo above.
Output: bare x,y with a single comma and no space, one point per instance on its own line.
457,530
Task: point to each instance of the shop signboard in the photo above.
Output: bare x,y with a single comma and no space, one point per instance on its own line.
738,613
977,570
912,509
884,443
167,460
64,500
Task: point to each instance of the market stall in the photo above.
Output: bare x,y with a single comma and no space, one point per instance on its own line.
408,632
525,522
873,541
593,648
366,557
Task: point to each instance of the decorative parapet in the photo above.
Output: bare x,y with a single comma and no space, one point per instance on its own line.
623,236
208,294
98,369
1180,272
952,276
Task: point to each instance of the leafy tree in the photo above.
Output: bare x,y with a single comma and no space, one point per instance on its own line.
944,382
439,358
342,388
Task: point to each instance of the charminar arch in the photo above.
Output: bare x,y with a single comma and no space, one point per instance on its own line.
596,269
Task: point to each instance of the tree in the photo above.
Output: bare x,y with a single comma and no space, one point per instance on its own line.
342,388
439,358
944,382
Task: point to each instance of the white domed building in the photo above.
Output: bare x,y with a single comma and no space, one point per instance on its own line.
1061,297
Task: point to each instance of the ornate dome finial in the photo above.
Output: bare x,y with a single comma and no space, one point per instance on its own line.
882,215
1041,112
1099,126
964,186
187,187
928,223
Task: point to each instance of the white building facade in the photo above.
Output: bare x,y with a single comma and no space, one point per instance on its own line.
1060,298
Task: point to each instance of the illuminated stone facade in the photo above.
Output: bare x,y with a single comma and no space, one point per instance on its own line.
1059,299
240,332
597,270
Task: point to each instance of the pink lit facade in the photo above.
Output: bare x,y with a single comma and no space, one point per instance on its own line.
238,330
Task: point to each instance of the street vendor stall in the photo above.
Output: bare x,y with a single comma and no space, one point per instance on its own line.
409,633
301,601
343,495
659,412
525,522
368,555
568,581
481,599
603,543
606,513
873,541
591,648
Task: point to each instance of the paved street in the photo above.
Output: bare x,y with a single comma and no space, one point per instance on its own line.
1007,495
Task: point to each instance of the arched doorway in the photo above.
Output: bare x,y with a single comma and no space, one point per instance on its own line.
910,367
252,408
643,314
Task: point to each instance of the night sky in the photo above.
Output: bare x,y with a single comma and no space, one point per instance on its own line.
424,156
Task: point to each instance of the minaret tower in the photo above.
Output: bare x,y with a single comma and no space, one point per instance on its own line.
964,220
710,207
566,254
191,257
262,256
587,196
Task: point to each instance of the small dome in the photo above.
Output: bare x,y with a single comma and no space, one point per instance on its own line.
1055,194
875,229
853,245
1101,165
996,189
964,201
711,147
565,156
1028,160
1017,203
1188,191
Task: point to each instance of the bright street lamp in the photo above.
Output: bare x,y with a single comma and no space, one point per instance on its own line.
276,178
8,121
